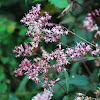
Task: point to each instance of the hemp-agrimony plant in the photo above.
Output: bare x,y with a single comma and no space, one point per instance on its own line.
39,68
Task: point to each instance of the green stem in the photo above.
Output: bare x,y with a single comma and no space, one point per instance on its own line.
82,38
77,36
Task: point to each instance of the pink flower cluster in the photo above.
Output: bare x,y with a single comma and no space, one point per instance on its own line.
89,22
45,96
59,56
38,26
27,50
82,49
35,71
80,96
39,68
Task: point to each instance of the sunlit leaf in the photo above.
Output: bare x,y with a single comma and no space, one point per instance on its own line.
59,3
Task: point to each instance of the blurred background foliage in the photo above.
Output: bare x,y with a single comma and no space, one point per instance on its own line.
12,33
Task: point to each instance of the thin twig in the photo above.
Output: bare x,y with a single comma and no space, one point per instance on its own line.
85,8
82,6
90,77
82,38
88,88
96,38
85,65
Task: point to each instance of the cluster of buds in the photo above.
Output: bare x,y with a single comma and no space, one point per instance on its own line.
89,22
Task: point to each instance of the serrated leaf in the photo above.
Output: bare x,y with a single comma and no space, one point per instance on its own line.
59,3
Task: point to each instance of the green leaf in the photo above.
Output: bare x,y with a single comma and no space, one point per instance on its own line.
85,35
66,10
64,39
37,1
2,28
0,4
1,51
22,31
67,20
73,70
95,74
81,81
2,76
80,33
11,27
22,84
59,3
57,94
25,2
3,88
65,98
99,73
52,61
5,59
67,80
12,97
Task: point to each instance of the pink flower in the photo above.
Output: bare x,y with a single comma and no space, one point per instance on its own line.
89,22
46,95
